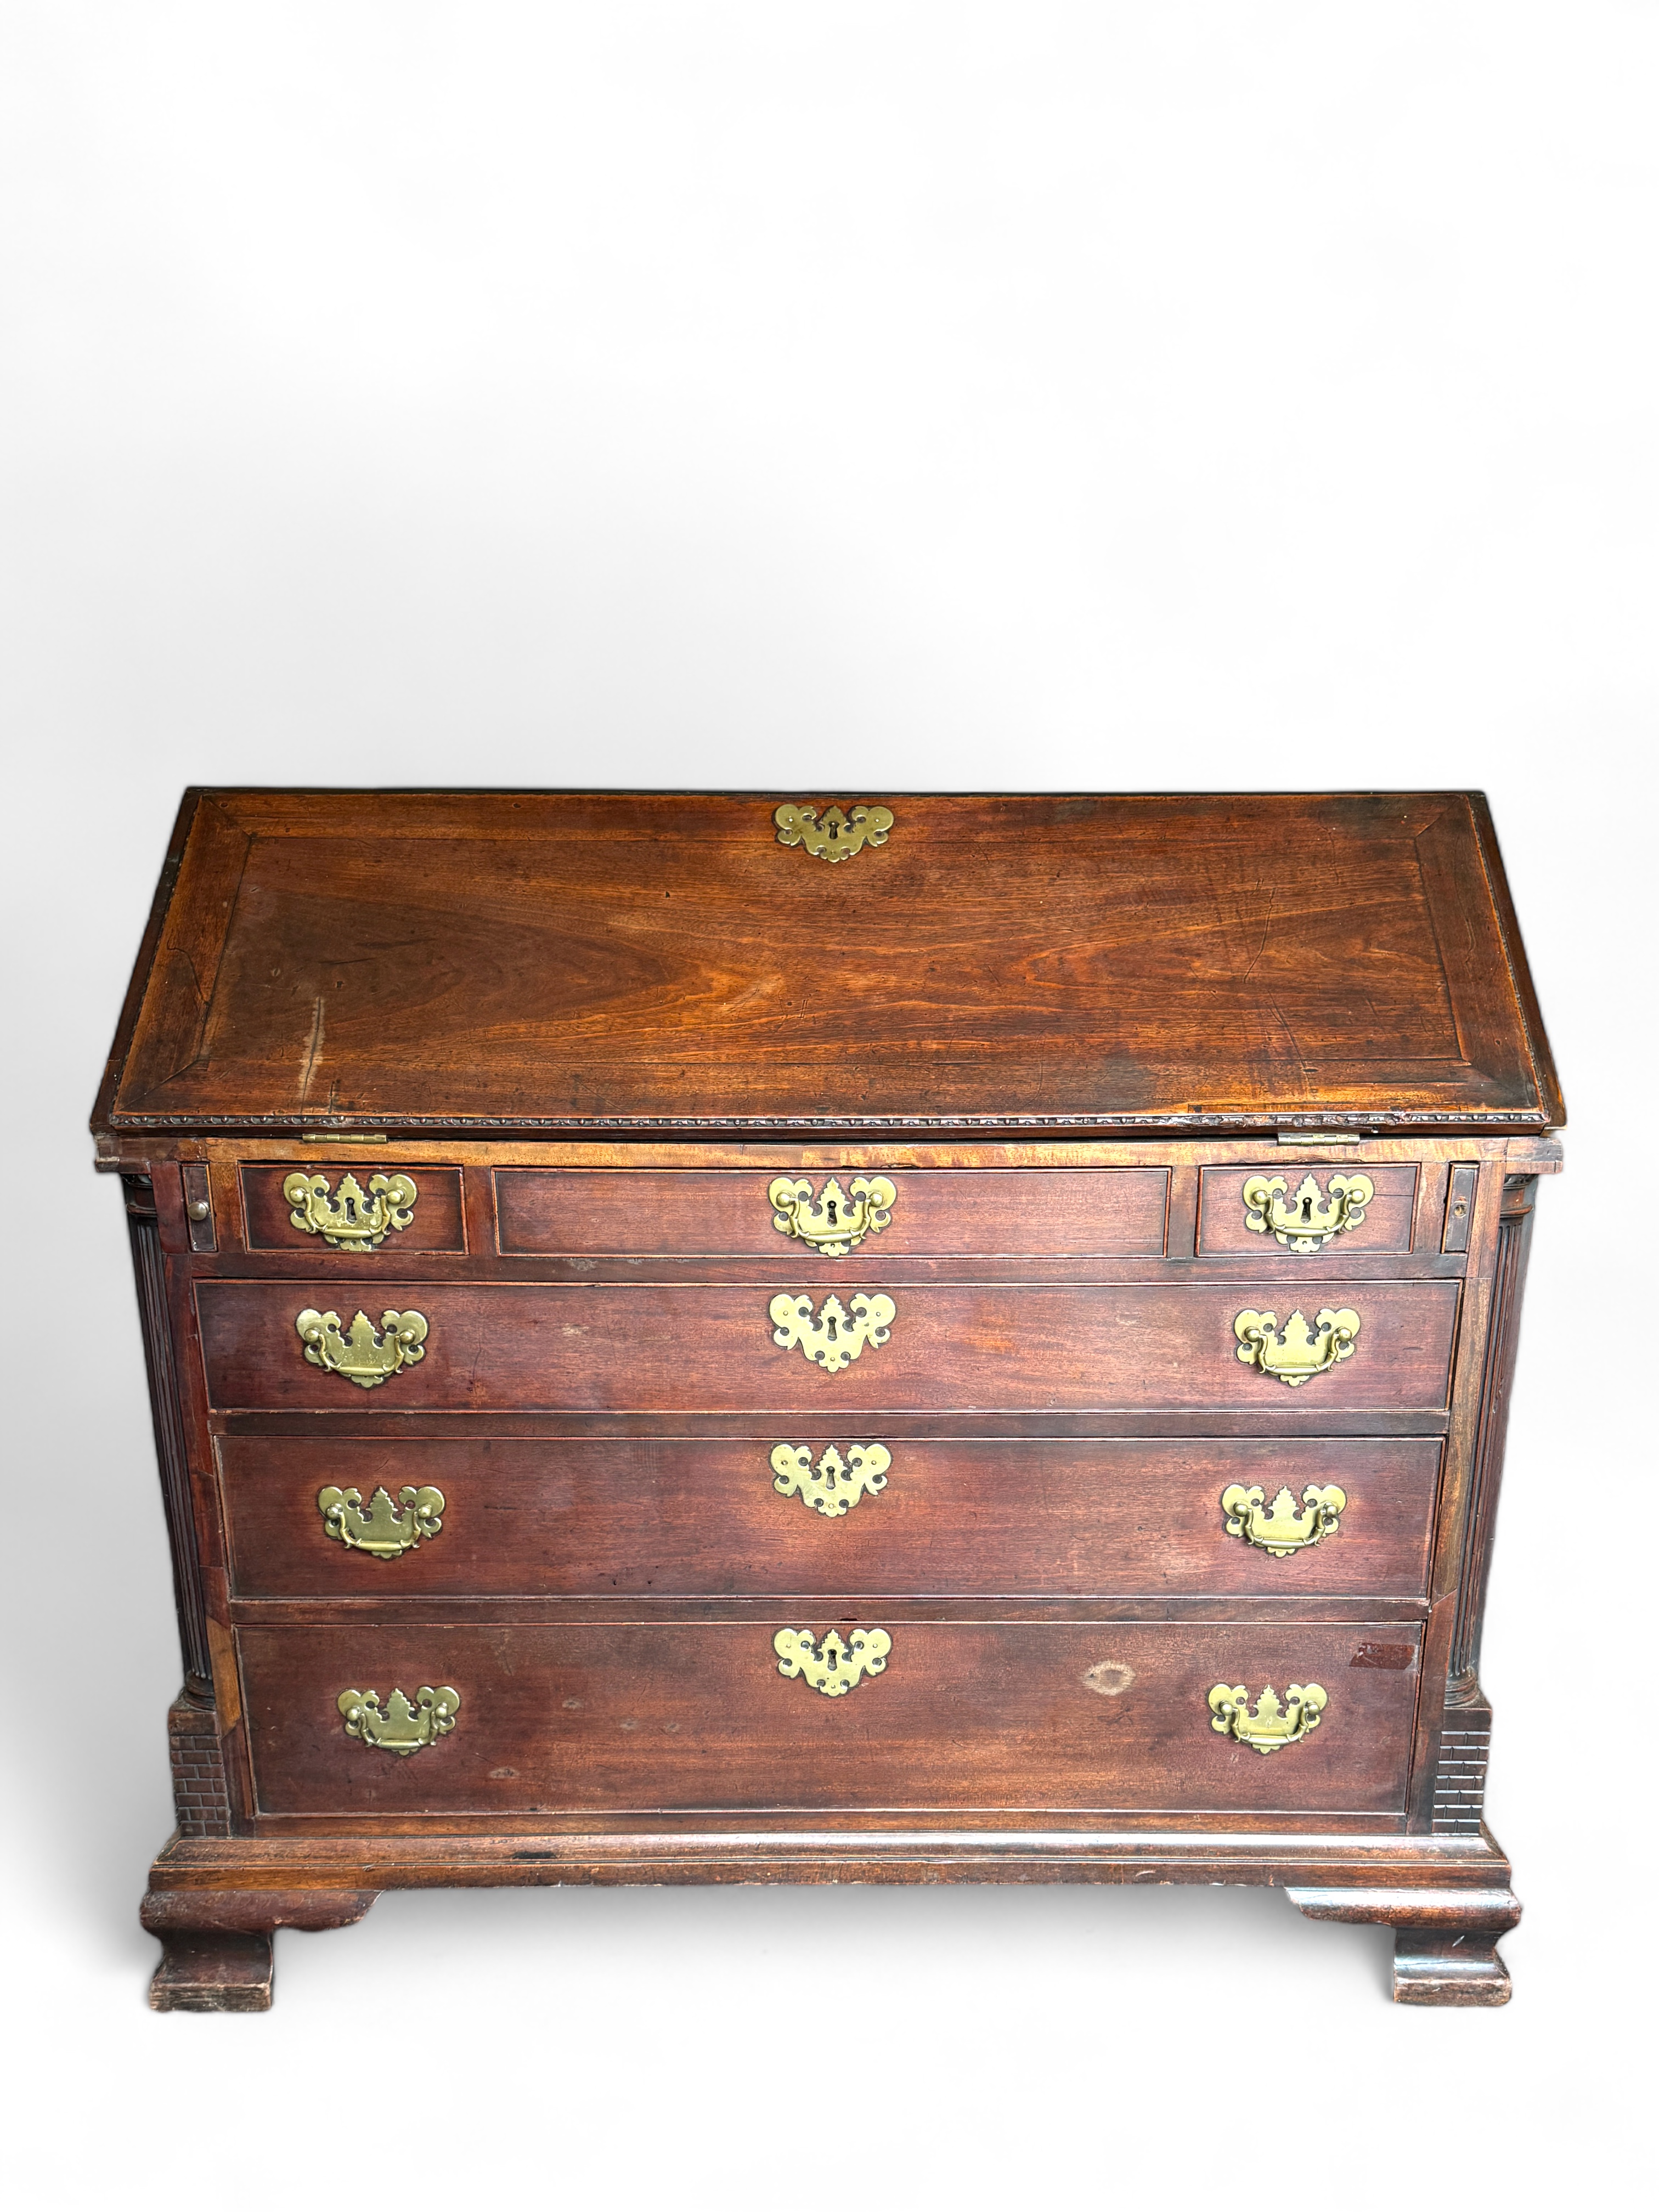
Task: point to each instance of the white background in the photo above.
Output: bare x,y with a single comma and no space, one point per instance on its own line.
858,399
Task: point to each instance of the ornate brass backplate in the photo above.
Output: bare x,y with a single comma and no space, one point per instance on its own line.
838,836
1301,1352
1308,1221
832,1223
836,1337
835,1485
1282,1531
401,1727
358,1353
349,1221
1272,1726
832,1666
382,1530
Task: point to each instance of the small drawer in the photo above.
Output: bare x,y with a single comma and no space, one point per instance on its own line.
372,1208
961,1718
531,1347
795,1510
857,1215
1299,1208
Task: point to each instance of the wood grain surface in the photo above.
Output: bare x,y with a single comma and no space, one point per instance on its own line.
511,1348
659,960
682,1718
965,1213
700,1517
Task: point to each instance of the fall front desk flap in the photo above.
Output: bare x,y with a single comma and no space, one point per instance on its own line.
792,962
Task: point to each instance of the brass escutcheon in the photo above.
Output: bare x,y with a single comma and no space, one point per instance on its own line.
382,1530
358,1353
831,1667
1301,1352
401,1727
832,1223
1309,1220
834,1338
835,1485
349,1221
1272,1726
1282,1529
838,836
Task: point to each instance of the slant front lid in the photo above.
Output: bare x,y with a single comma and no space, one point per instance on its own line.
573,961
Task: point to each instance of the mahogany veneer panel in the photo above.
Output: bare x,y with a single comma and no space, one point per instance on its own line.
697,1718
512,1347
1098,1213
436,1225
577,960
699,1517
1222,1226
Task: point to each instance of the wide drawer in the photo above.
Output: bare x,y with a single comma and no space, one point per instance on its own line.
594,1347
714,1517
909,1212
962,1718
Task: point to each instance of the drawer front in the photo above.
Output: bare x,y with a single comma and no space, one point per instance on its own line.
592,1347
1068,1717
415,1210
706,1517
1337,1207
922,1214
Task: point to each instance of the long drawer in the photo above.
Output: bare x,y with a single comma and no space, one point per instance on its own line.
551,1347
806,1512
677,1718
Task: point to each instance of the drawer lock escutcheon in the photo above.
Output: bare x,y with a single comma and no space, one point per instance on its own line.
1308,1219
382,1531
1281,1530
834,1338
351,1220
1270,1726
836,836
362,1354
831,1667
835,1485
834,1222
1300,1352
401,1728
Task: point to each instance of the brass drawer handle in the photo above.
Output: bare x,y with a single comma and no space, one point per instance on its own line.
835,1485
839,835
401,1727
358,1353
383,1532
834,1338
349,1221
1272,1726
1310,1221
1280,1530
831,1667
1301,1352
831,1223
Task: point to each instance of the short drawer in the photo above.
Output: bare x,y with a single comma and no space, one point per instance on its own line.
373,1207
598,1348
857,1215
1282,1207
962,1718
797,1511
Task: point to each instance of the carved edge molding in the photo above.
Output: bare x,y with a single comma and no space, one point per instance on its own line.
1496,1120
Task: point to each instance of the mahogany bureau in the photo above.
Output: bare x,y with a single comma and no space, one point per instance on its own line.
711,1338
